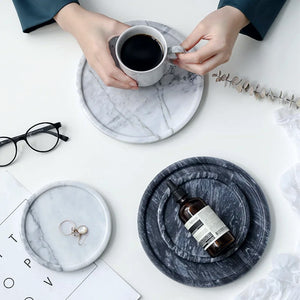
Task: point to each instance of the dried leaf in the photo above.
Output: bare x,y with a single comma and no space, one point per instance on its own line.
263,93
227,76
234,80
220,73
246,86
257,95
218,79
214,75
271,95
251,90
239,87
286,99
223,77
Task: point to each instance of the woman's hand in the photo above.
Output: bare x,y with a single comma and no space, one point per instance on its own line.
93,32
220,29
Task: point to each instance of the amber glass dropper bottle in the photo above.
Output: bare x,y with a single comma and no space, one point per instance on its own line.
203,223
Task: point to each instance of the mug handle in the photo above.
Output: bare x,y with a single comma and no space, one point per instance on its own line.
173,50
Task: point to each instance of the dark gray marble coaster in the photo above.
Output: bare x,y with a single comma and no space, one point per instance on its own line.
148,114
214,180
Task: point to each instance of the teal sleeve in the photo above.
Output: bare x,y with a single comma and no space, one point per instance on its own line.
260,13
37,13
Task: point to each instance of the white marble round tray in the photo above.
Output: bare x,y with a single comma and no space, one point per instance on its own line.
148,114
45,210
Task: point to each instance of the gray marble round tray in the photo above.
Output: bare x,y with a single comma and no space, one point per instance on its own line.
45,210
149,114
213,179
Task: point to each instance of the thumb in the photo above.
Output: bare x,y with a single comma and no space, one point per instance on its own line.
120,28
194,38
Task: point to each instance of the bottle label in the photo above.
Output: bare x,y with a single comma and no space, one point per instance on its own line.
206,227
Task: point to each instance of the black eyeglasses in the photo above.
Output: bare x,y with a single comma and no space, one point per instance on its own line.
41,137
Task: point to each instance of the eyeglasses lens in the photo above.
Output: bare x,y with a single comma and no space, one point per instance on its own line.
42,137
7,151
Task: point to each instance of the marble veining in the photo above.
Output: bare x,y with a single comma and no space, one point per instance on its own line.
38,241
149,114
52,205
213,179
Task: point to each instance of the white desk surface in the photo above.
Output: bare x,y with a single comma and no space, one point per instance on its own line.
37,83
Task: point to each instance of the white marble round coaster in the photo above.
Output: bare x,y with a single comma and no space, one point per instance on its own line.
47,209
149,114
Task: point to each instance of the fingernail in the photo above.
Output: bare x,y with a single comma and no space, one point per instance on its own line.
133,84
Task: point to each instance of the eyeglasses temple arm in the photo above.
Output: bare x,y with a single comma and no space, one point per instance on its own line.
46,130
61,136
4,142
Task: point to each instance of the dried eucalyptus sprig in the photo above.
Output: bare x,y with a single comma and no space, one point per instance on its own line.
242,85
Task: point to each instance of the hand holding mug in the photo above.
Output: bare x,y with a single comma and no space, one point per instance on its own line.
93,32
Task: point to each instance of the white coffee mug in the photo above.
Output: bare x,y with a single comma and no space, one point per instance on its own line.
148,77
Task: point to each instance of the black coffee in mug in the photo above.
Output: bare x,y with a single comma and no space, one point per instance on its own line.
141,52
